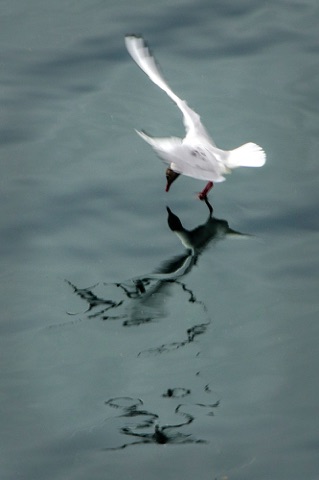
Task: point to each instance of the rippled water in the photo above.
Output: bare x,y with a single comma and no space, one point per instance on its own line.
122,353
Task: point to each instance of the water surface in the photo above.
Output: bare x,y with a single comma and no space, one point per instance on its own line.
122,353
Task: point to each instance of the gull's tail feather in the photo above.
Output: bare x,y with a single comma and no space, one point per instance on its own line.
248,155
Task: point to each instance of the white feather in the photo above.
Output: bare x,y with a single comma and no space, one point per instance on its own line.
196,155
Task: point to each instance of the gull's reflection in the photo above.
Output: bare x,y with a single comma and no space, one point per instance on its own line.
142,299
197,239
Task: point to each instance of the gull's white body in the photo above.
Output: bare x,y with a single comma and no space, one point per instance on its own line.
196,155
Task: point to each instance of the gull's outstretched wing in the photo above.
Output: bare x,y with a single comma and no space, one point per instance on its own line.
141,54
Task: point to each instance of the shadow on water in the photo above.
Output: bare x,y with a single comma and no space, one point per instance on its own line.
140,300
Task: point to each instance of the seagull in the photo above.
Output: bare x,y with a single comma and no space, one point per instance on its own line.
195,155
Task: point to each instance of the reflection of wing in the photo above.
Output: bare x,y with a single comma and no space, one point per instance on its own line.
140,53
173,269
154,288
143,298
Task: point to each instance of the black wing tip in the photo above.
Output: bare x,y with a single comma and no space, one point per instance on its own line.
138,39
134,35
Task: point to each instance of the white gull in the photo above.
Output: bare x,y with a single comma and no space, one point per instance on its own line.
196,155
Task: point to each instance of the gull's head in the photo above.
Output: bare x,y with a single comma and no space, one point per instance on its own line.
170,177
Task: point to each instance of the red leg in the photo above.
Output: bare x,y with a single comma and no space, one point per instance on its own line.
202,195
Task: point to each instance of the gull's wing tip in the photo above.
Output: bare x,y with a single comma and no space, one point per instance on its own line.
137,48
134,38
133,35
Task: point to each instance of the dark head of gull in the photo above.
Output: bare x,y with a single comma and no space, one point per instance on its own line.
170,177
